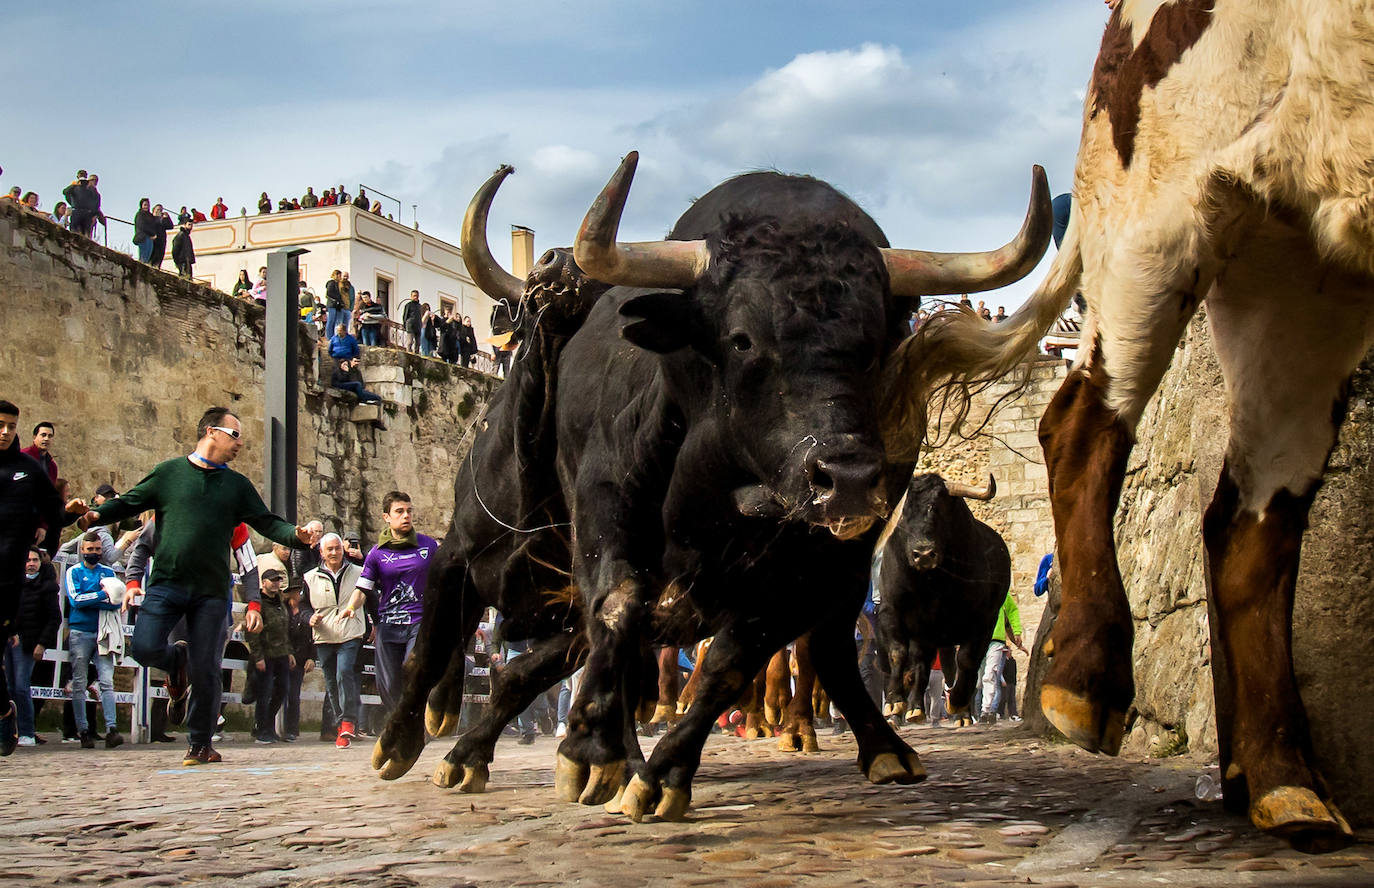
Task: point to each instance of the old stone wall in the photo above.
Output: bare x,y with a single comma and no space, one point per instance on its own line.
123,358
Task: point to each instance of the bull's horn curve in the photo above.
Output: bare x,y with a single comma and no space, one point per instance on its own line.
922,273
675,264
966,491
486,273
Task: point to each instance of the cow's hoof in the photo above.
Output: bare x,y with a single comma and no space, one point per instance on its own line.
614,806
962,721
755,733
569,777
387,766
637,798
888,767
662,715
475,778
916,717
673,805
1086,723
809,743
644,712
891,710
447,774
440,724
1297,815
602,783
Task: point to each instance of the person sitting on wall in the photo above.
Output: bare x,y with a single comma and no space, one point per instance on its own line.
348,378
343,344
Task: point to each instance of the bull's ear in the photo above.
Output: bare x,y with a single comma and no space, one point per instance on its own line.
659,322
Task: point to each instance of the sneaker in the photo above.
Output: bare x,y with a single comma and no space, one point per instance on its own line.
178,685
39,739
288,738
343,741
113,738
28,741
66,739
201,755
346,729
87,740
163,738
561,730
838,729
526,739
216,737
265,740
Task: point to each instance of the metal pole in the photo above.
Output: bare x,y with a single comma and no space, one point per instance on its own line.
281,383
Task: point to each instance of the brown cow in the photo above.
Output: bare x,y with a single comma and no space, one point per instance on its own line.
1227,154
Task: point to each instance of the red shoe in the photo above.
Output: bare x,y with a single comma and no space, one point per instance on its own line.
345,738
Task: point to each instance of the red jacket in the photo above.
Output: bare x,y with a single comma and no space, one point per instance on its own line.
219,211
43,459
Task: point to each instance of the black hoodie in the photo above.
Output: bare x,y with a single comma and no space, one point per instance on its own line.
27,498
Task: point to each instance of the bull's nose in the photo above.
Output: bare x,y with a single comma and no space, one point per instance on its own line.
846,488
922,557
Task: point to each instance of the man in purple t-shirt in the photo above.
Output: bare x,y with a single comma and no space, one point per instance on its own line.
396,571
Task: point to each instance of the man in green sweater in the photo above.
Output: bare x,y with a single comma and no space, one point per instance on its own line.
199,501
1008,628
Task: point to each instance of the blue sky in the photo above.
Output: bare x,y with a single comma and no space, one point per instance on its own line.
930,115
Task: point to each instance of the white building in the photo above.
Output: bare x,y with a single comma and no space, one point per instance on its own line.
382,257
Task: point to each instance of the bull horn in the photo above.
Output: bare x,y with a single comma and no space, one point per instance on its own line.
976,493
675,264
489,276
920,273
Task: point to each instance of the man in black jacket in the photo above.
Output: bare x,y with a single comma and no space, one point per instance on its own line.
27,500
411,313
35,629
183,253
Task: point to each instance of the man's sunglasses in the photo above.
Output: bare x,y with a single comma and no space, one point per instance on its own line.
233,433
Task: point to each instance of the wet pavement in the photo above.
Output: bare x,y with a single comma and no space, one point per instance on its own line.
1000,808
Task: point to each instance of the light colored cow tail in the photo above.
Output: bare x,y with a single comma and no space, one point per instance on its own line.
934,374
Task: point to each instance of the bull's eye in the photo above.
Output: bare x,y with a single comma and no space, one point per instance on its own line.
741,341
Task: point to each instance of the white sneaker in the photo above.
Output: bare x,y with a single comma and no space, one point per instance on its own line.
217,737
561,730
28,741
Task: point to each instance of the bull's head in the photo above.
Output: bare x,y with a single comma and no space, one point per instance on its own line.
555,292
932,512
789,313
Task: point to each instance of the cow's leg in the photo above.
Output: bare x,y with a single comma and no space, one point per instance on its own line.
777,691
548,661
966,660
689,689
1287,363
669,687
1151,284
883,756
799,728
663,784
755,722
925,656
895,653
452,611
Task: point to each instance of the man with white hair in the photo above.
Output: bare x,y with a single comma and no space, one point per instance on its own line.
338,624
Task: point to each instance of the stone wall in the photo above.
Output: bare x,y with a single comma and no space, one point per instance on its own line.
123,358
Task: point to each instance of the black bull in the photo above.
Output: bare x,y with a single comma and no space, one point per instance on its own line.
943,579
720,463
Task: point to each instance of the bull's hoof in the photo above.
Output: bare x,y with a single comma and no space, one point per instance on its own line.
1085,722
809,743
891,710
614,806
440,724
889,767
962,721
637,798
673,804
916,717
755,732
662,715
602,783
789,742
389,765
475,778
569,777
644,712
447,774
1297,815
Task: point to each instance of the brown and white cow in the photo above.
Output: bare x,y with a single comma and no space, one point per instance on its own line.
1227,154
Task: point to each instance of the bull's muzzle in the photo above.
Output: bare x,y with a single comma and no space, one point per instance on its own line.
846,488
923,557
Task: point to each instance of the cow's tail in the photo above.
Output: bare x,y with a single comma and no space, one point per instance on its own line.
930,383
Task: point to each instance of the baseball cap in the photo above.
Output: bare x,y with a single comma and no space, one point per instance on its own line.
273,574
106,490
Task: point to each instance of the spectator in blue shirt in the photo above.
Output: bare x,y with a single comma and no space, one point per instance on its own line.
343,344
87,596
1042,576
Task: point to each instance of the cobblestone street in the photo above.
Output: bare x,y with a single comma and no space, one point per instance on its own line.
999,808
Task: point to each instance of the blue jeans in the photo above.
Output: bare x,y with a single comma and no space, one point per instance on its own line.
337,661
19,669
145,250
82,647
206,629
370,334
334,317
394,644
364,396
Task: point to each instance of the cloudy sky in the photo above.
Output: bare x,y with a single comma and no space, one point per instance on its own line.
929,114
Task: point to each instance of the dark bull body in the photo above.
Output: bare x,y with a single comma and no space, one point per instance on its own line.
943,579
